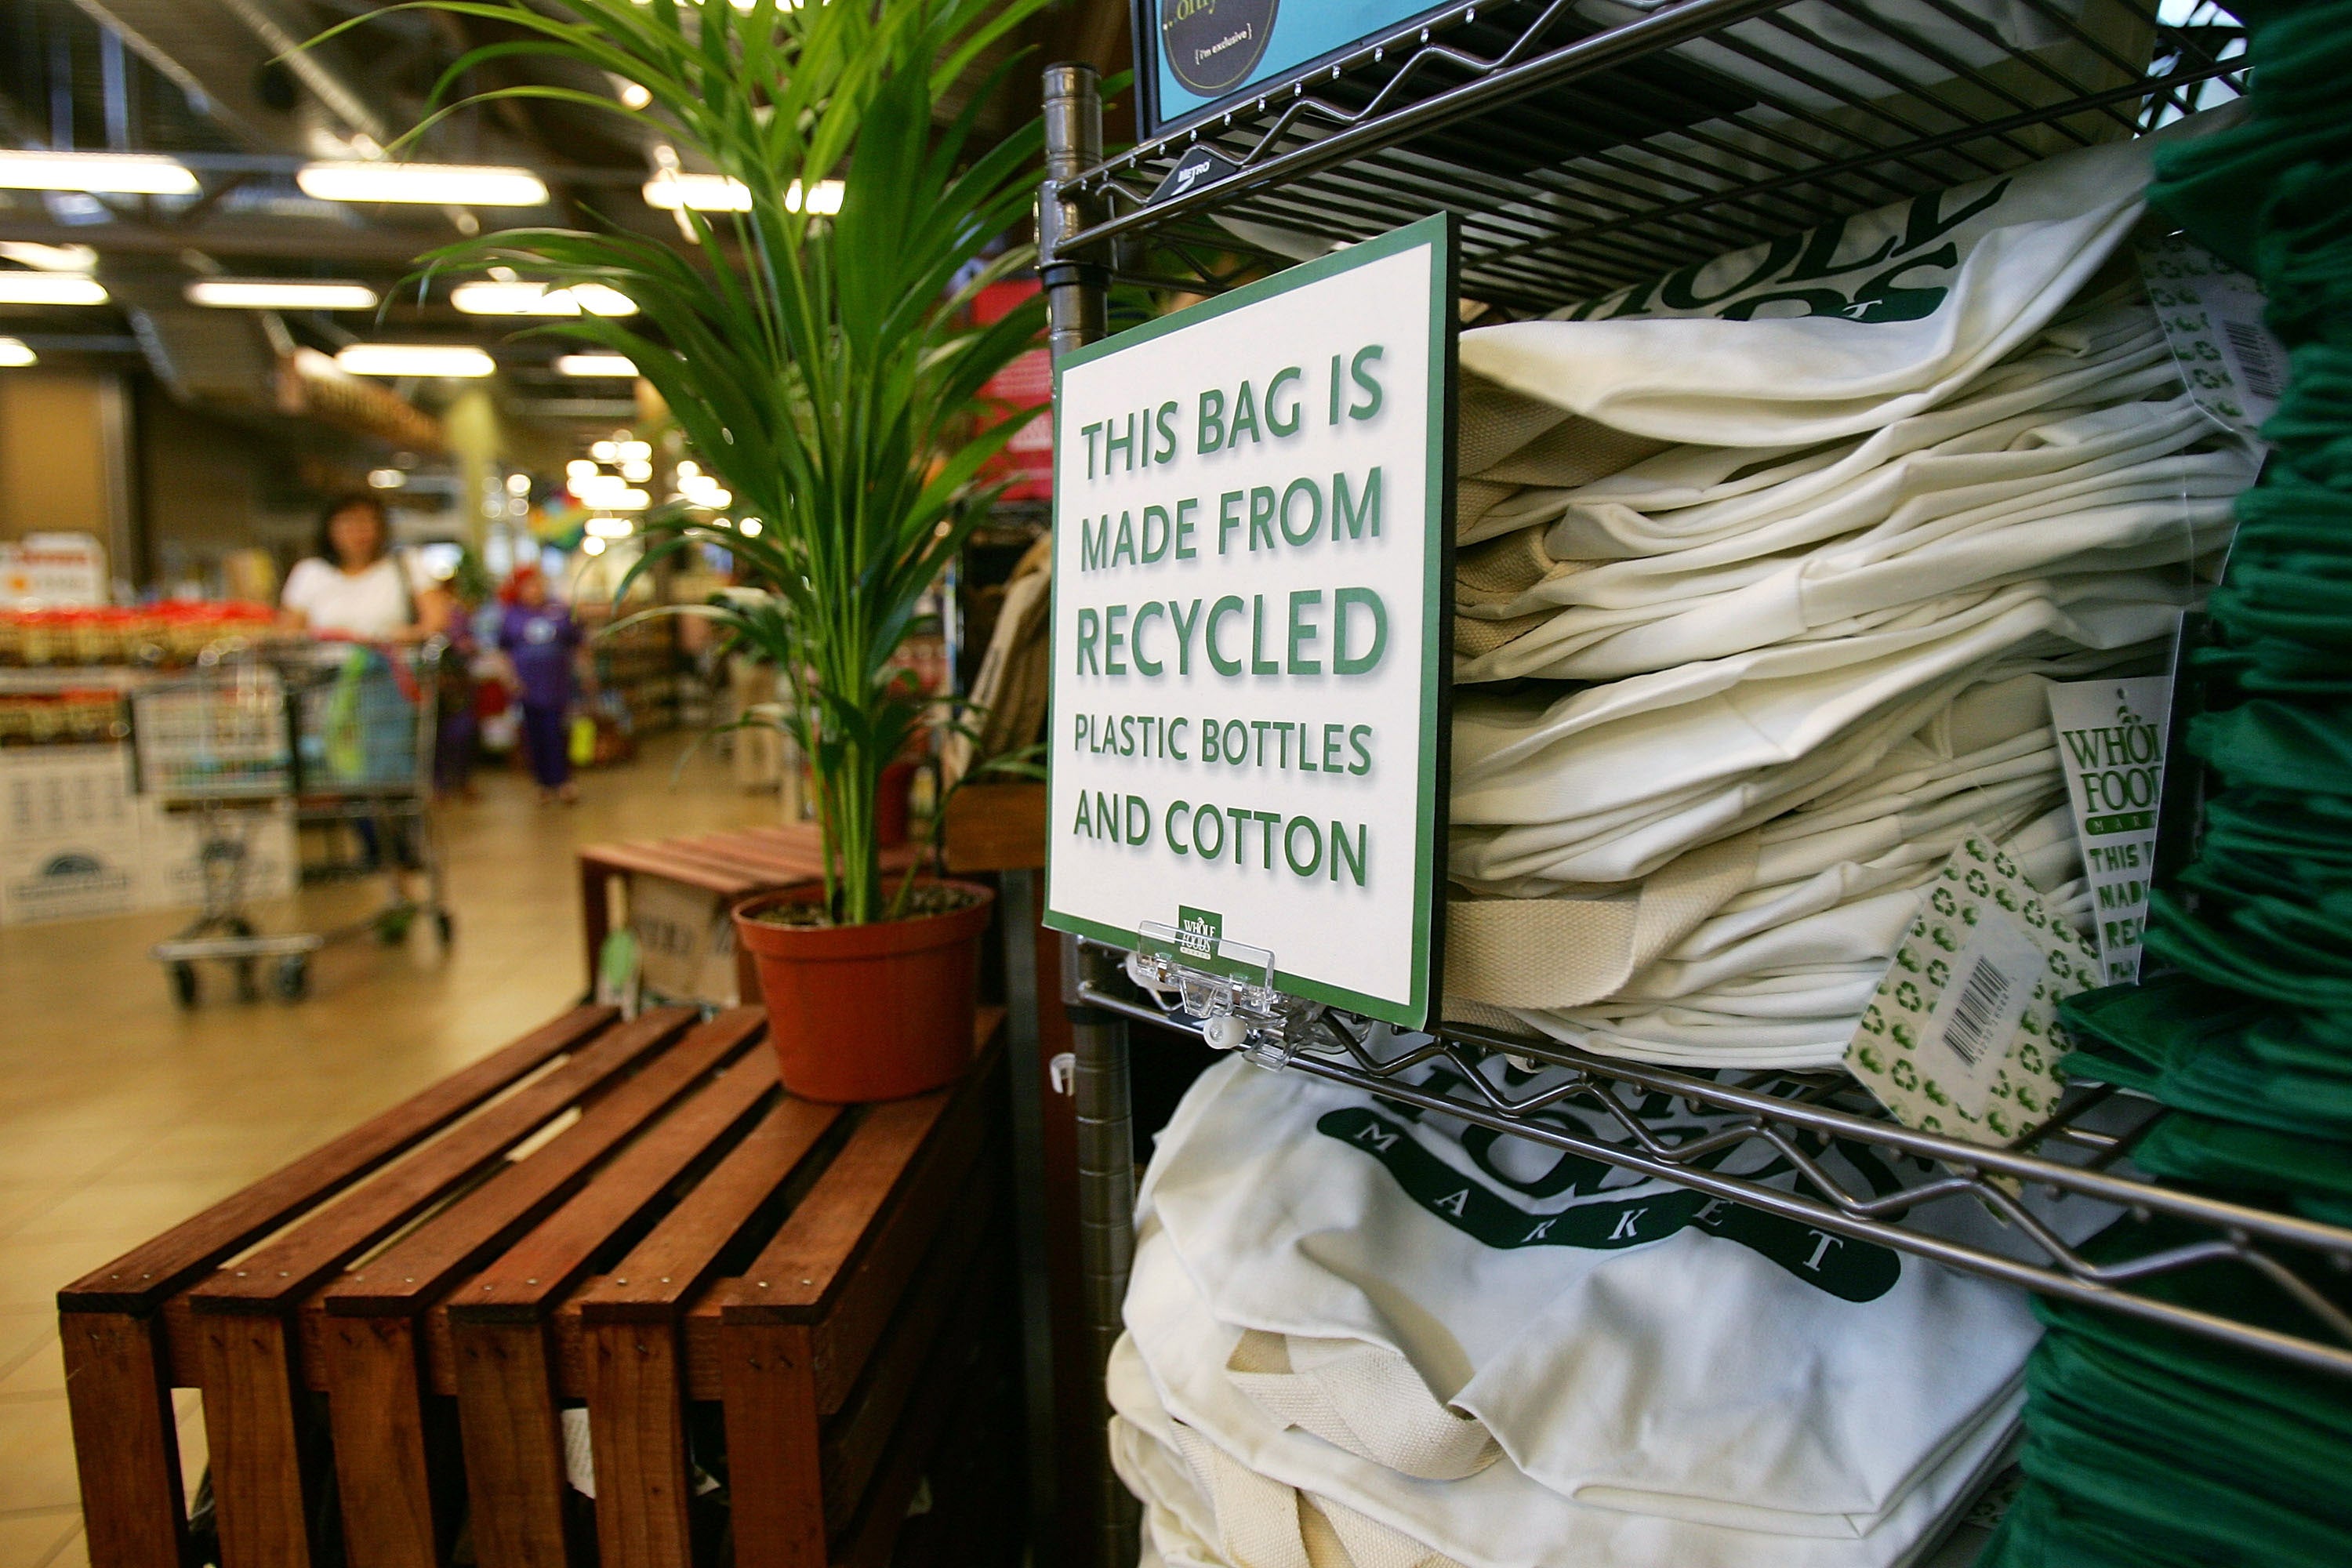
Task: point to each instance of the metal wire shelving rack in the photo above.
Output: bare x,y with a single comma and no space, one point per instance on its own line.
1588,147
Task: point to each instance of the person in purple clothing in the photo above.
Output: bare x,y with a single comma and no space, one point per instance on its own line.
541,642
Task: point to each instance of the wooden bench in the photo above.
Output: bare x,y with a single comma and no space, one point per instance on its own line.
625,1217
730,865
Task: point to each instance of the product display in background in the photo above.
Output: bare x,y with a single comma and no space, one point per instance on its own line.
1511,1355
1805,666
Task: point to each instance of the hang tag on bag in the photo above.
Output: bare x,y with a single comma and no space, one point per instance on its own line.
1962,1035
2111,742
2212,318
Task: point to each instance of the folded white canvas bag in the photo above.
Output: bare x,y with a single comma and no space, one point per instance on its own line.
1680,1354
1832,333
1499,1517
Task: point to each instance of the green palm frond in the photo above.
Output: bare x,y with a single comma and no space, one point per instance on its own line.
825,370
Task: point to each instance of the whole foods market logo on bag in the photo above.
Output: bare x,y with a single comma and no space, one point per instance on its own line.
1251,527
1212,45
1891,266
1575,1201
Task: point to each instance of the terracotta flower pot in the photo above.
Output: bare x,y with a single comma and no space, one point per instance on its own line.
870,1011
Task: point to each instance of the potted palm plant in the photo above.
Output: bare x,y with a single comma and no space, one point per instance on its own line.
816,348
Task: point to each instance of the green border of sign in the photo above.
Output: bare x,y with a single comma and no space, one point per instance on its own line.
1438,233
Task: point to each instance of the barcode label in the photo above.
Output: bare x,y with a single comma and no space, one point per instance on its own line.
2253,357
1982,997
1976,1018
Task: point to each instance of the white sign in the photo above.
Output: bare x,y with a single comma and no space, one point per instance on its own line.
2111,742
1251,523
53,568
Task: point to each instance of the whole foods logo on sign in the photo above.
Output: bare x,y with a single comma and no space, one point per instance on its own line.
1251,520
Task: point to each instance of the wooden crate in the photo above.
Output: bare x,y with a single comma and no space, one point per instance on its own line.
728,866
624,1217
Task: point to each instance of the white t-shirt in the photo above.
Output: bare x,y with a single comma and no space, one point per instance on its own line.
374,603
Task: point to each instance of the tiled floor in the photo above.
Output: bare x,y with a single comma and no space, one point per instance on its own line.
120,1114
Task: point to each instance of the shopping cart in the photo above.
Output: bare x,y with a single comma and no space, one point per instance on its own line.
343,729
217,743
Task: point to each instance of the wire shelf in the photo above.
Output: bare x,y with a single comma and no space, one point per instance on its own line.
1588,145
1796,1116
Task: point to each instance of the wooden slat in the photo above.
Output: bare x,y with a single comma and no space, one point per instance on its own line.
650,860
513,1444
141,1279
537,1270
254,1422
384,1468
425,1263
636,1432
996,827
776,1491
678,1255
289,1268
125,1438
855,1437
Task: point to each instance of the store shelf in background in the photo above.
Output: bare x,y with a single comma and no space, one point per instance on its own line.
1583,156
996,827
1794,1115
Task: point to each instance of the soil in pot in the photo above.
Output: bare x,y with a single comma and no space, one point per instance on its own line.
870,1012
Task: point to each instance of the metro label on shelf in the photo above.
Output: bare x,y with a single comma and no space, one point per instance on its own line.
1253,527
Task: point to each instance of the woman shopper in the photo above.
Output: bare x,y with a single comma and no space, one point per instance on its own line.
541,642
356,585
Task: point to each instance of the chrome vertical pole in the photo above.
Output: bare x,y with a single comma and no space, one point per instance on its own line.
1105,1208
1075,315
1074,287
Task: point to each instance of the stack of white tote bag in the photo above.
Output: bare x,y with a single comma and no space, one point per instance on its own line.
1359,1337
1777,556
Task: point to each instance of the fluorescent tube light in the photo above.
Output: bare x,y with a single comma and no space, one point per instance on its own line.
703,193
279,294
434,184
50,288
617,365
51,257
592,545
415,359
14,352
130,173
387,478
611,526
501,298
719,193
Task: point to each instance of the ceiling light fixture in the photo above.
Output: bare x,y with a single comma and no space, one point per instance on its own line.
592,545
718,193
579,468
50,288
51,257
502,299
279,294
433,184
612,365
127,173
634,451
16,352
611,526
415,359
386,479
606,451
